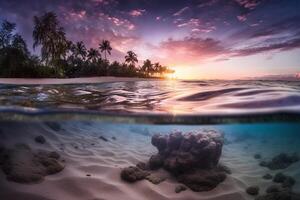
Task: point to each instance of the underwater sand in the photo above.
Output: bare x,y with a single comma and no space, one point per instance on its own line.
85,153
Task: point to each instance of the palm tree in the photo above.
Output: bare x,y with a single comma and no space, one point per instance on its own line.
93,55
147,67
105,46
131,58
51,36
80,50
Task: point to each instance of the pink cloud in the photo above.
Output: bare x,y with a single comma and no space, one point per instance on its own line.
241,18
136,13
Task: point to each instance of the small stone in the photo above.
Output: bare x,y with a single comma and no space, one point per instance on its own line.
257,156
54,155
289,182
88,175
267,176
180,188
103,138
272,189
253,190
133,174
155,179
113,138
40,139
142,166
279,178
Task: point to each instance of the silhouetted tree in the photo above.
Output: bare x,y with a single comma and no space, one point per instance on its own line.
147,67
105,47
51,36
131,58
93,55
6,33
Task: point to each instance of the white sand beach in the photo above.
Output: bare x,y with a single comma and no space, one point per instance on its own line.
93,166
39,81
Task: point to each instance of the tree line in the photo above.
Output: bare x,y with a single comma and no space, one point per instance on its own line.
60,57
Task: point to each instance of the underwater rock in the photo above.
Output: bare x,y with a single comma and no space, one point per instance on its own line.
192,158
133,174
181,152
223,168
142,166
202,180
280,161
286,181
257,156
252,190
103,138
113,138
267,176
275,192
155,179
180,188
273,188
156,162
23,165
40,139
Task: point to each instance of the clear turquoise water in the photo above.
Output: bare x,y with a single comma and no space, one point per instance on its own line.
257,117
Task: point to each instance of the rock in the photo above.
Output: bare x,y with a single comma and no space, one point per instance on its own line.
133,174
202,180
273,194
40,139
180,188
192,158
273,188
88,175
54,155
286,181
155,179
23,165
267,176
159,141
289,182
224,168
257,156
156,162
103,138
279,178
280,161
113,138
142,166
253,190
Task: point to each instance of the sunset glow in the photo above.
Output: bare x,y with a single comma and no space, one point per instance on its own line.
205,39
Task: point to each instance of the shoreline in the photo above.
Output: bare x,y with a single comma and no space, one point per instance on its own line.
53,81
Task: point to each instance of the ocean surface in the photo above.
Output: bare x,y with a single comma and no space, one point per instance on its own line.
258,119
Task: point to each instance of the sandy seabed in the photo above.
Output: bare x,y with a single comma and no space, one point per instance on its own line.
93,166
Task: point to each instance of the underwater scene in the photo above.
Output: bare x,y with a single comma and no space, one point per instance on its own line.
151,140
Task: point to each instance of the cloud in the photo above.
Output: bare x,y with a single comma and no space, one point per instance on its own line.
249,4
281,46
188,50
242,18
137,12
181,11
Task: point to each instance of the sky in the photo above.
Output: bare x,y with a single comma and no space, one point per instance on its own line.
200,39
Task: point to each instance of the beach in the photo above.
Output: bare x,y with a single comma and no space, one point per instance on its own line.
94,154
41,81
